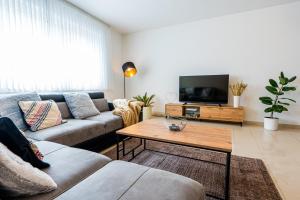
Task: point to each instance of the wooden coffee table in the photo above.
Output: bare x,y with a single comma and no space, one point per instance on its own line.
196,136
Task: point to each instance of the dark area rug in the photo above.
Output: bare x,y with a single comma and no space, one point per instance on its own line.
249,177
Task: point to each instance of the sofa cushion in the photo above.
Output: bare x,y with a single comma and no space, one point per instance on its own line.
101,104
124,180
112,122
69,166
64,110
81,105
167,185
73,132
9,107
40,114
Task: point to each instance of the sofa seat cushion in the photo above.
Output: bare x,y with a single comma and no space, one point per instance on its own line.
112,122
73,132
124,180
69,166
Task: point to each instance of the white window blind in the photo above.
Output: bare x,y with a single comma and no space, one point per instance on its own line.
50,45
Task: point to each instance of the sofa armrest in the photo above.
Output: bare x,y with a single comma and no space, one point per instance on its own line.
111,106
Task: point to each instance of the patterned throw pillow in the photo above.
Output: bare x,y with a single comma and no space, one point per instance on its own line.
19,178
81,105
40,114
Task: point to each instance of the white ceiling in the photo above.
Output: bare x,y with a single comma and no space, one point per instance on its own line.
129,16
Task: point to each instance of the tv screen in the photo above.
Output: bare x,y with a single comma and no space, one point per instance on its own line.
207,89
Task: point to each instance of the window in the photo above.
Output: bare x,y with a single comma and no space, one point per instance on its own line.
50,45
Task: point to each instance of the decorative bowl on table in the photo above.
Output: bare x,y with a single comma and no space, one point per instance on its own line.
175,123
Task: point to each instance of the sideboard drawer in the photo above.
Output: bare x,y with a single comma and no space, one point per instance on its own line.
173,110
209,112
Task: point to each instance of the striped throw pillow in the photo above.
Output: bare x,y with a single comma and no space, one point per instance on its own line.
40,114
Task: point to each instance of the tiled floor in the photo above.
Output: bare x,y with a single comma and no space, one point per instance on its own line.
280,151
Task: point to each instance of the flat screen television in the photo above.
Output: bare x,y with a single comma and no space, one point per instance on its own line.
212,89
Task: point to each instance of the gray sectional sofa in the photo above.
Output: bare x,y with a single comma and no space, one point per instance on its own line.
82,174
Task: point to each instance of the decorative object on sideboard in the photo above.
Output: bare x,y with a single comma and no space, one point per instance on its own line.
148,104
237,90
175,123
278,103
129,70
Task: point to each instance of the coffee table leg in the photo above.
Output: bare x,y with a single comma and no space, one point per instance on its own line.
117,137
144,144
227,177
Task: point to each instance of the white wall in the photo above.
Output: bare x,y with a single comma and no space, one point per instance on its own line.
251,46
115,79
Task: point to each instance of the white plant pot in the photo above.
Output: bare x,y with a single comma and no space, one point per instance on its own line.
271,124
147,113
236,101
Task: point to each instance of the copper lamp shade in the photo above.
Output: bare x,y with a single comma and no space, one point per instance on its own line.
129,69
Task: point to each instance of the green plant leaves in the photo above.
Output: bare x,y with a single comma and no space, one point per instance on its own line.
285,89
269,109
266,100
283,103
273,83
272,89
149,101
283,81
278,89
145,99
288,99
279,108
292,79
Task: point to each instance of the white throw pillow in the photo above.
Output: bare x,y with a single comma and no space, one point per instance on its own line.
19,178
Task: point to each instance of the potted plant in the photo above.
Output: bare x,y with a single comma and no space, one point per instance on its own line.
148,103
237,90
278,103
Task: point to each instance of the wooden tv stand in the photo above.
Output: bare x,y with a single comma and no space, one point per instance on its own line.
206,112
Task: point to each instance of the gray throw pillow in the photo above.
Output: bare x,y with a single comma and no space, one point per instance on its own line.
81,105
9,107
101,104
19,178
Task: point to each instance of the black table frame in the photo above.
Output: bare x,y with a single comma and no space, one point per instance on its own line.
143,143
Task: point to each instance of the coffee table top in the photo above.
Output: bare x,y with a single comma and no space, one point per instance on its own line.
208,137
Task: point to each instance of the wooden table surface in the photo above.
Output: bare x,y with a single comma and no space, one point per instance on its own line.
194,135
